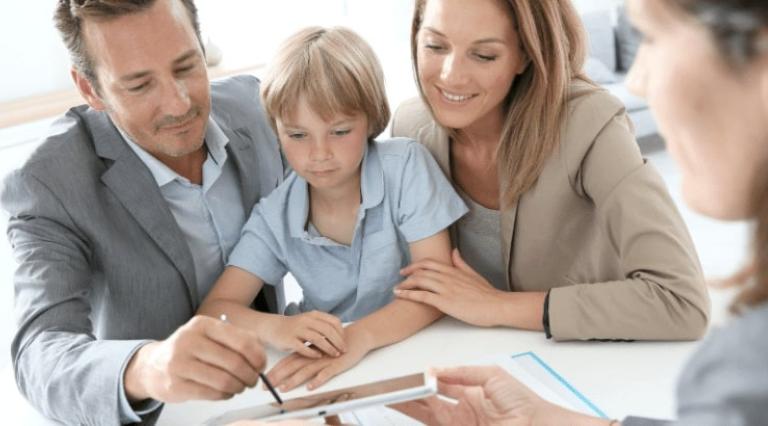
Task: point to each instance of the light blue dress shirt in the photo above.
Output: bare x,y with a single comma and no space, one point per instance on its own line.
405,198
210,216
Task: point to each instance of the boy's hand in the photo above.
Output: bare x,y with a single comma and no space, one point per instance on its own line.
310,334
296,369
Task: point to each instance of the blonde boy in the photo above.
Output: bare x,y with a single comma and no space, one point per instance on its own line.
350,216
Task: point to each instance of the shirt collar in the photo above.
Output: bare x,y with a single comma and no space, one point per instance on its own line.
215,140
372,190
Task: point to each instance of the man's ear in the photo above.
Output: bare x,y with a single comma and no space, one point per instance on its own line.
87,91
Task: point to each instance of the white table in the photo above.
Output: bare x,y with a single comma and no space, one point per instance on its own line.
619,378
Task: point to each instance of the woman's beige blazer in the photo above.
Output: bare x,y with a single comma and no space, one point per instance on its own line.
599,229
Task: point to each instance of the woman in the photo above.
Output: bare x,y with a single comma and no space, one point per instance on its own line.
569,230
703,67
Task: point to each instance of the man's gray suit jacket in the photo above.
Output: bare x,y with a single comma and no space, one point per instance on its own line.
102,263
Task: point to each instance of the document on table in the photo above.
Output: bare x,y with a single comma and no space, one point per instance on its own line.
526,367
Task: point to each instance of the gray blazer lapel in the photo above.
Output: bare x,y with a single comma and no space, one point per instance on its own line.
257,179
132,183
240,150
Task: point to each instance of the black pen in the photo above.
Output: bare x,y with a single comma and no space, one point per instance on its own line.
263,377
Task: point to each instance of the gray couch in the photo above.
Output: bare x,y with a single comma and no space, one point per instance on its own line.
612,47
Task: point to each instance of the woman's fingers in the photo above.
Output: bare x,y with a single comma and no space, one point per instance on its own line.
459,263
427,264
417,409
468,376
425,280
421,296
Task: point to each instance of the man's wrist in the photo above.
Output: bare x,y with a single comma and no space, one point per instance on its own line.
133,379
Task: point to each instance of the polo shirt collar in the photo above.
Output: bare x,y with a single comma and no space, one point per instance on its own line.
372,191
215,140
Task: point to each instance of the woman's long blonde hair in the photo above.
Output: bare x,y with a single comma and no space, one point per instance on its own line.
553,38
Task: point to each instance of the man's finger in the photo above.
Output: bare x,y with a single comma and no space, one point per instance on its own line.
238,340
212,353
210,377
187,390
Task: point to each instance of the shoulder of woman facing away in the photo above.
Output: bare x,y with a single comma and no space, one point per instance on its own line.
726,380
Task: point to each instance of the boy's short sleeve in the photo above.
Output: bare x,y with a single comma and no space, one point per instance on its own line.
258,251
428,203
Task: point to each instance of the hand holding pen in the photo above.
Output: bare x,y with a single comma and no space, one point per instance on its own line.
195,362
263,378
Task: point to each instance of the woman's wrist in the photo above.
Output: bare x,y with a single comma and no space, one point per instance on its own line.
547,413
521,309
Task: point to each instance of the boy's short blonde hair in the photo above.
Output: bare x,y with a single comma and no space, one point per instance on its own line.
335,70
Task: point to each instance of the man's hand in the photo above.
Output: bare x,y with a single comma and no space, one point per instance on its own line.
204,359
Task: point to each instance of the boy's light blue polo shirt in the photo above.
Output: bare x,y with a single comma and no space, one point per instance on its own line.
405,198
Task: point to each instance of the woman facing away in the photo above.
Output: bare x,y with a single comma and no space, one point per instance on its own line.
703,67
570,231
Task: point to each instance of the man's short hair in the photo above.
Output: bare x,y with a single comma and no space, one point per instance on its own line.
70,15
335,70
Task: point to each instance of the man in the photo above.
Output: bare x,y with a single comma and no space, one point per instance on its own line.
123,218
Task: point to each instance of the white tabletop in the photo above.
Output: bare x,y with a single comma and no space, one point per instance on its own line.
620,378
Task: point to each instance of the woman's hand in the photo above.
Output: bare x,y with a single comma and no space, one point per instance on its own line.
296,369
458,290
487,395
291,333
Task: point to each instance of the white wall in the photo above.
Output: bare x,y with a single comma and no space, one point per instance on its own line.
32,58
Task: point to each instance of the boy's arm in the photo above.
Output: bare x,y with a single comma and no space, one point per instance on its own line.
232,295
402,318
390,324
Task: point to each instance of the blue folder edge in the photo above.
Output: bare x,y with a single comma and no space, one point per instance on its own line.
564,382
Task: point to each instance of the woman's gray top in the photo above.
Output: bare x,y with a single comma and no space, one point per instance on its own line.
726,381
479,241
